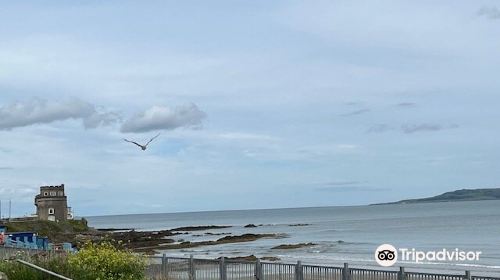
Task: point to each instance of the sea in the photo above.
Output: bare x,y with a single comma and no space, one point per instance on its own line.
347,234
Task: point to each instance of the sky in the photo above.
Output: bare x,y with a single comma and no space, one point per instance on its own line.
260,104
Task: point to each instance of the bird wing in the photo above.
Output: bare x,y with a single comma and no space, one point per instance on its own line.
151,140
133,142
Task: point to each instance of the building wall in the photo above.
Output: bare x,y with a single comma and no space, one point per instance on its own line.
52,203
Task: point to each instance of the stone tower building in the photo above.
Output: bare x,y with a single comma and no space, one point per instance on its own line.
51,203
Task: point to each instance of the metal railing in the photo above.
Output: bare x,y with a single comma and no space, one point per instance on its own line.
26,254
22,255
167,268
41,269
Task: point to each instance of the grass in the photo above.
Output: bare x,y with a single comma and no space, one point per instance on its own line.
17,271
55,231
102,261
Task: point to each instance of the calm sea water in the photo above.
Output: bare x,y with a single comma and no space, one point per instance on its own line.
343,234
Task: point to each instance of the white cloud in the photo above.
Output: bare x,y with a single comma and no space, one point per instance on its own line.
162,117
411,128
39,111
18,192
247,136
347,146
101,118
357,112
489,12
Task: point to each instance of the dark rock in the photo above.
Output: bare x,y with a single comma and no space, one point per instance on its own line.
197,228
243,238
293,246
271,259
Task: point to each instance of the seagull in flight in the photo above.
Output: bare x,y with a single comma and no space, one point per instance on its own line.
145,146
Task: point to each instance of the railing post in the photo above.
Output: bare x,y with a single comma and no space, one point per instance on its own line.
258,270
346,273
164,263
222,269
401,273
468,275
192,271
299,274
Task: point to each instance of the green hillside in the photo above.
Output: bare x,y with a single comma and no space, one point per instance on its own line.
55,231
458,195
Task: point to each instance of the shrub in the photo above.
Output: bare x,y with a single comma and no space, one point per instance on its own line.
92,262
105,262
18,271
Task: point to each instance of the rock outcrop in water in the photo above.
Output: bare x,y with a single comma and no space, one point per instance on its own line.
198,228
250,226
224,240
293,246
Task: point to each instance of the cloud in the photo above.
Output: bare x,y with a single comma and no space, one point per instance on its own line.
344,186
351,189
410,128
489,12
102,118
380,128
342,183
6,168
247,136
162,117
347,146
18,192
352,103
357,112
39,111
406,104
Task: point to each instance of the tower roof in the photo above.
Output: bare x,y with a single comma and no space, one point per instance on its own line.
52,187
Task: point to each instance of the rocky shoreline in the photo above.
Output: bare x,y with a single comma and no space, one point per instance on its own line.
293,246
150,242
78,233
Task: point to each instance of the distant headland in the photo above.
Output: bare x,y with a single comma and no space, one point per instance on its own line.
458,195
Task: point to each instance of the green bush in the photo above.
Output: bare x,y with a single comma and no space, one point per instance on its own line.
18,271
105,262
78,225
92,262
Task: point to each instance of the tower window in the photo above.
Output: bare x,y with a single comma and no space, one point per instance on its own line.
51,211
52,193
45,193
60,193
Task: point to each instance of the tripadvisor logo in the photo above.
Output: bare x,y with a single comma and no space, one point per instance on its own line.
388,255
